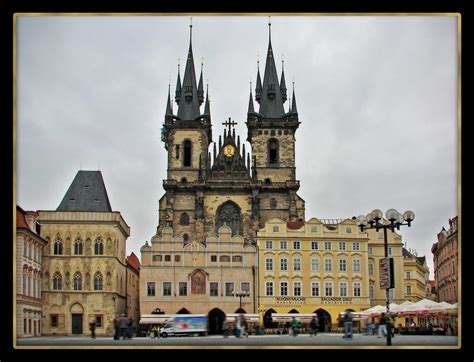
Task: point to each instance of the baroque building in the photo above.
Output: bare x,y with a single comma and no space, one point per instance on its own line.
84,264
416,276
217,197
30,247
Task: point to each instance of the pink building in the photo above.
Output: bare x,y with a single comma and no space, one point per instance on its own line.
445,259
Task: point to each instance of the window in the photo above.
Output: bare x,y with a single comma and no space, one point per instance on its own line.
213,258
327,245
314,245
297,264
296,245
269,288
177,151
58,247
77,281
342,265
380,235
157,258
357,289
356,266
177,258
343,289
356,246
371,268
167,289
283,245
328,265
183,288
284,264
25,248
24,284
349,229
150,289
78,247
315,265
98,247
98,281
273,152
269,245
54,320
237,258
408,275
214,289
408,289
269,264
314,229
371,292
98,320
390,293
187,153
297,289
315,289
283,288
229,288
370,250
273,205
389,250
185,238
225,258
57,281
168,257
328,289
184,219
276,228
342,245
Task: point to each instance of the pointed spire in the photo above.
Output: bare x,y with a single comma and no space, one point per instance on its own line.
169,107
271,104
189,104
201,86
215,152
282,81
207,106
177,96
289,105
258,89
293,105
251,109
248,162
243,151
220,143
233,134
238,141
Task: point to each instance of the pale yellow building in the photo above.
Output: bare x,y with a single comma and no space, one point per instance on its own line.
376,251
133,288
29,273
315,267
416,276
198,277
84,264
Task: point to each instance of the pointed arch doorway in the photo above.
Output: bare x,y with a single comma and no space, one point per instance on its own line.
77,313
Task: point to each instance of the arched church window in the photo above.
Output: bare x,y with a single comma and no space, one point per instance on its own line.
78,247
58,247
228,214
57,281
185,238
184,219
77,281
98,247
98,281
187,153
273,152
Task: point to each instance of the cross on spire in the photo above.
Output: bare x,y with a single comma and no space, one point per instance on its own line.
229,124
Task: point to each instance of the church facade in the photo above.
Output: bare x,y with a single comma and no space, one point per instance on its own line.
217,197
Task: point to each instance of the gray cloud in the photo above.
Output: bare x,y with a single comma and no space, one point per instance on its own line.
376,99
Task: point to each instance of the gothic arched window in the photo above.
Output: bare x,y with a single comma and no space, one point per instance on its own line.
98,247
78,247
57,281
77,281
98,281
187,153
228,214
185,238
58,247
273,151
184,220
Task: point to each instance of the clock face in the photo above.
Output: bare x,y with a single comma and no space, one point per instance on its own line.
229,150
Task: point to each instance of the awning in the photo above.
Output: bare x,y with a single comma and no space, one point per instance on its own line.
287,317
248,317
154,318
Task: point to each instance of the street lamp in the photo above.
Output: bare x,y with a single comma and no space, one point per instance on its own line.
240,295
373,220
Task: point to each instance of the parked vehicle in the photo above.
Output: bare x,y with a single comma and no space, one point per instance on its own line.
186,324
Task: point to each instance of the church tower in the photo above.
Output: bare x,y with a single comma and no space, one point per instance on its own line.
271,133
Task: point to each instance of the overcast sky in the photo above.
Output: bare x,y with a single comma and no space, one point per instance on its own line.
376,99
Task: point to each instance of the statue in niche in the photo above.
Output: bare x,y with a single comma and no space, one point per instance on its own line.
199,207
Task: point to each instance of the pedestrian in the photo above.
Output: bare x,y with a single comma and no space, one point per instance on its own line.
382,326
295,323
369,327
129,327
225,329
243,326
123,321
116,327
237,327
92,328
347,324
313,326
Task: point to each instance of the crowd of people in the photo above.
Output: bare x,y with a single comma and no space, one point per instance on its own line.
123,326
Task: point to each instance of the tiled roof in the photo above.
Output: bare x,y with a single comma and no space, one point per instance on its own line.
86,193
294,224
133,261
20,219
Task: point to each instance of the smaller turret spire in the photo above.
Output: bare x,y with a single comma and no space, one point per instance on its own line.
201,86
293,105
207,107
251,109
258,89
177,96
282,81
169,107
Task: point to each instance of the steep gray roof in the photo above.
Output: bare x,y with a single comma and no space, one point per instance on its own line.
86,193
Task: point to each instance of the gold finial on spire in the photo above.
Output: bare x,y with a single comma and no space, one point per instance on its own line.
190,22
269,21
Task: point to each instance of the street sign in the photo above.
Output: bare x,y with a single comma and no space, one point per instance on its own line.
386,273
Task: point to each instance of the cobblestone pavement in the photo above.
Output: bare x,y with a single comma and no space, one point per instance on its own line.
322,339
